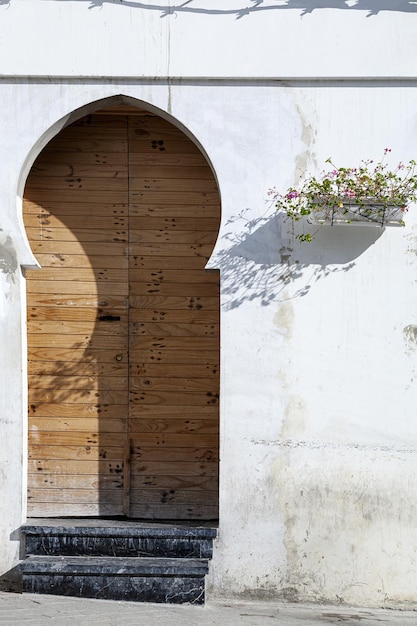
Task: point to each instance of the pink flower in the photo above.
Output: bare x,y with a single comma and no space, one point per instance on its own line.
292,194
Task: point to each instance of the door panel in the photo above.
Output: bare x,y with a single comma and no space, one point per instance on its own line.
172,205
75,212
122,212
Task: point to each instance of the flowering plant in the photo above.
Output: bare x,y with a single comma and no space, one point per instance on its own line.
372,193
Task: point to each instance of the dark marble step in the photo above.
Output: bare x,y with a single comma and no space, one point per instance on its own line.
127,540
136,579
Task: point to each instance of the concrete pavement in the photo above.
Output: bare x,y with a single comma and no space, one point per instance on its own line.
39,610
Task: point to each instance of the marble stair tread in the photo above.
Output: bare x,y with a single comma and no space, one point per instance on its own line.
125,530
116,566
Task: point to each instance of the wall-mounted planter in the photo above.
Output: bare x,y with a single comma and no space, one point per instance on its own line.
372,213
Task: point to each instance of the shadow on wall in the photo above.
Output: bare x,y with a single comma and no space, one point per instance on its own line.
244,8
264,263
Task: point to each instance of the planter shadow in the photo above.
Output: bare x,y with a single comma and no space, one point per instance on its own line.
264,261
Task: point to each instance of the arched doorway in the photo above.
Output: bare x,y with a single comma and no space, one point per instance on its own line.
122,211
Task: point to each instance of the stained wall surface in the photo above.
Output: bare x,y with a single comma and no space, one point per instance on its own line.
318,341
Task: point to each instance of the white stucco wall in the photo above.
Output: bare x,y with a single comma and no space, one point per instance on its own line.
318,390
208,38
318,394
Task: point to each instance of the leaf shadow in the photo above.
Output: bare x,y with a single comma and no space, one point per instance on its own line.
261,259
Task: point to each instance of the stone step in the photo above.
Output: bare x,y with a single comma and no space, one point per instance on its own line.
137,579
118,540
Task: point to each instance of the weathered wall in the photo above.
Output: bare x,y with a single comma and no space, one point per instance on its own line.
318,390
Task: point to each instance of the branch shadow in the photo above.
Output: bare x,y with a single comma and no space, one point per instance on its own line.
254,6
264,259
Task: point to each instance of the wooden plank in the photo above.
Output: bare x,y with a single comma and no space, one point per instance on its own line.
158,356
61,381
99,301
191,290
106,117
152,130
85,368
62,165
143,411
67,357
79,341
69,509
170,222
174,440
168,512
190,303
96,326
162,315
164,158
73,142
178,370
178,275
87,453
180,211
168,236
179,385
83,409
174,398
171,249
173,425
59,208
153,184
173,497
90,275
76,396
103,126
81,236
68,495
88,184
76,222
78,424
62,287
76,248
76,314
158,171
79,195
173,343
167,262
209,483
94,262
79,481
165,198
174,330
58,467
74,438
147,146
166,467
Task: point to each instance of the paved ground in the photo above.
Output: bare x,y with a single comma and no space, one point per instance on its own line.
36,610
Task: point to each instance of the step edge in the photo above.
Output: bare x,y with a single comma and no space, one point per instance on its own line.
102,531
115,566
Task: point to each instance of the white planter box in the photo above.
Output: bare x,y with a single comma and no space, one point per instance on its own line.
371,214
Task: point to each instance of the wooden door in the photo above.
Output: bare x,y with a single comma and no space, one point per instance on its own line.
122,212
